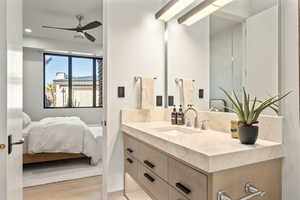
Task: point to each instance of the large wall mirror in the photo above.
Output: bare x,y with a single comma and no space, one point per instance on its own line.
235,47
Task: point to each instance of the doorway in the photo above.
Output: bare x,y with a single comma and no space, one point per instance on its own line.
62,99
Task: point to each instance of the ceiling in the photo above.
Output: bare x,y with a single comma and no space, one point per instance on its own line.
61,13
247,8
219,24
237,12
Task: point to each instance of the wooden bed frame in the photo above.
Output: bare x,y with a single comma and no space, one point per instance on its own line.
46,157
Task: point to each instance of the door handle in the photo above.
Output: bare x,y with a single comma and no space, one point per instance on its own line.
150,178
129,160
2,146
149,164
129,150
183,188
11,143
103,123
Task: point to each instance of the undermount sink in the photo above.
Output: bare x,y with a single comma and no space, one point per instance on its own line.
175,130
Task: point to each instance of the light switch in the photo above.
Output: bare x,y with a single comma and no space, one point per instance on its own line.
201,93
121,92
159,101
170,100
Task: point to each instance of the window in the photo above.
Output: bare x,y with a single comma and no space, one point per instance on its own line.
72,81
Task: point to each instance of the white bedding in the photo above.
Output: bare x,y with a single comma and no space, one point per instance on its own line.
63,134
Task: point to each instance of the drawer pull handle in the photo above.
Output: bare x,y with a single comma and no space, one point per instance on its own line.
149,164
129,150
129,160
150,178
183,188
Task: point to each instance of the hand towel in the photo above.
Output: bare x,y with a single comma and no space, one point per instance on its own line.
188,92
147,93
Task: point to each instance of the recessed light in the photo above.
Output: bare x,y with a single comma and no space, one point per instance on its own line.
28,30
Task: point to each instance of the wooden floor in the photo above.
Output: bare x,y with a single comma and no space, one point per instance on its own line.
81,189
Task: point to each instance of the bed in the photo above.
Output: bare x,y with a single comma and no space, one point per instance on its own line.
61,138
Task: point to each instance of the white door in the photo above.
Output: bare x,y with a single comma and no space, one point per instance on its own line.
11,61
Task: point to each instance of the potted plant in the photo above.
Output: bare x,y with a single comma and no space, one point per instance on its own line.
248,110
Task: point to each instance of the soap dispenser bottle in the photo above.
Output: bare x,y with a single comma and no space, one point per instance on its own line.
180,116
174,116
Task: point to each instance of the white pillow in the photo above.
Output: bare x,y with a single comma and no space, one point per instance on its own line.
26,120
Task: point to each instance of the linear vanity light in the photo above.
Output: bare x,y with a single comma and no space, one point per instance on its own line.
204,9
172,8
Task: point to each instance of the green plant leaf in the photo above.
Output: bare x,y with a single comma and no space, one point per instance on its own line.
249,115
231,99
252,112
268,103
274,107
242,114
238,109
246,105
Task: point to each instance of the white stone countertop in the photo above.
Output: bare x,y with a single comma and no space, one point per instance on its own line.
208,150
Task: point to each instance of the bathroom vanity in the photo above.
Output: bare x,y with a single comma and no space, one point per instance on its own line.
167,162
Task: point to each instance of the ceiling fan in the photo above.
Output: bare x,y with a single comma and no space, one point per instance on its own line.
81,29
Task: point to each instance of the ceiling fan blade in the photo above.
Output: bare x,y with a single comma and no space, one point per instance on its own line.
89,37
91,25
66,29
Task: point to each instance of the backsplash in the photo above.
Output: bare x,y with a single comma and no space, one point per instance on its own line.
270,127
144,115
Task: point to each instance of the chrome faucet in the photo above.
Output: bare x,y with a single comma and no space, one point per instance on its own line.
204,124
191,108
214,109
250,189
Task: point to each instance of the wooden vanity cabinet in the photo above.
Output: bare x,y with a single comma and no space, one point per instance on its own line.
188,181
164,177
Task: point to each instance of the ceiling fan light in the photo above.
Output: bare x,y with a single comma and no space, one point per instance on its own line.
171,9
79,36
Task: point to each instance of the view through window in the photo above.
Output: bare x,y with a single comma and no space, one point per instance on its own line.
72,81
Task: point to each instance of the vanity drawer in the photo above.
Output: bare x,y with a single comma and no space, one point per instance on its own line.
175,195
131,146
153,184
131,166
187,181
154,160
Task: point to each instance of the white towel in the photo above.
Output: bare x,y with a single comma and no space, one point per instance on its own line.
188,92
147,93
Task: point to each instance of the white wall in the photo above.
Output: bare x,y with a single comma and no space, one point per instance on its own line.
188,58
33,92
134,47
289,80
262,54
226,72
62,45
